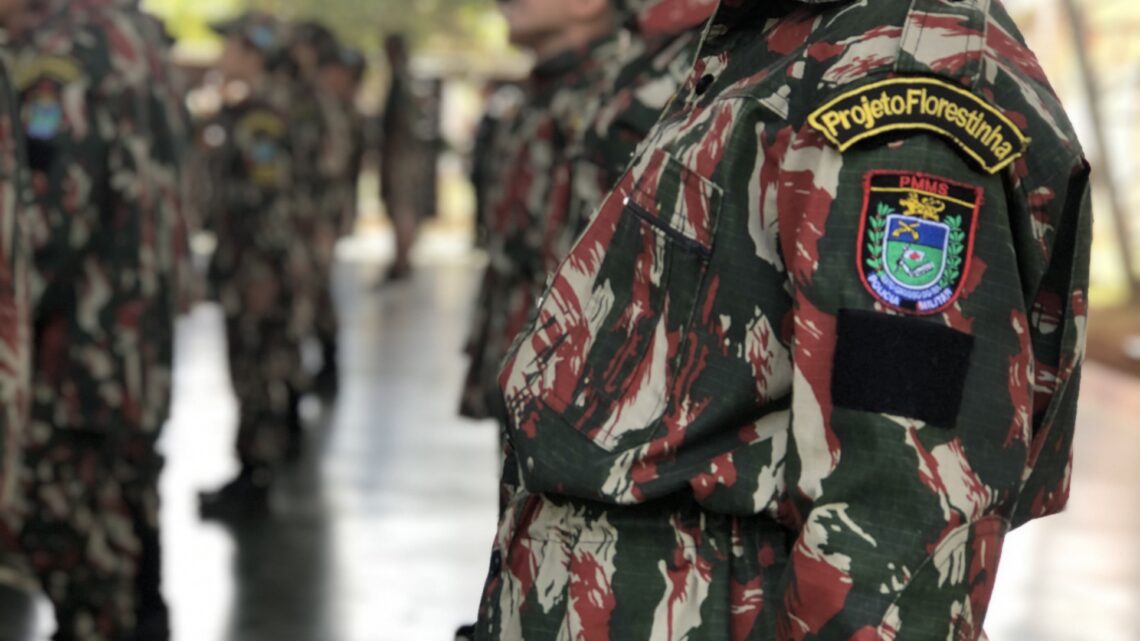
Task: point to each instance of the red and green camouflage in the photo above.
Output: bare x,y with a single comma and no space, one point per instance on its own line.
140,470
15,319
650,66
103,233
819,350
529,198
493,152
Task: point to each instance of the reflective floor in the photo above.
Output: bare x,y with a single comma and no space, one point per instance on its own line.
382,533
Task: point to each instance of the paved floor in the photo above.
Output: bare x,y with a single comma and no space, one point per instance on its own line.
382,534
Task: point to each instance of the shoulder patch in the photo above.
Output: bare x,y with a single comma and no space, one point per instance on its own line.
922,104
43,117
916,239
31,69
263,121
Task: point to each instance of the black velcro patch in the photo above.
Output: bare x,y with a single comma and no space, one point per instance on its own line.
901,366
922,104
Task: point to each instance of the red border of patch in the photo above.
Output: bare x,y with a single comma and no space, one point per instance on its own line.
968,260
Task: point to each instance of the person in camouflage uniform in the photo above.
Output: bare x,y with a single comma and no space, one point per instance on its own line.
639,82
104,305
341,77
530,191
258,271
17,581
401,143
320,154
818,352
338,79
170,143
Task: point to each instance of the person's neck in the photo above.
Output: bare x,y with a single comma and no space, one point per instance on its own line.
574,37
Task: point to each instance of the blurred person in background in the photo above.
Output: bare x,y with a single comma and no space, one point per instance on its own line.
527,188
258,273
340,73
502,101
817,353
105,296
401,143
639,82
18,583
304,101
170,145
526,178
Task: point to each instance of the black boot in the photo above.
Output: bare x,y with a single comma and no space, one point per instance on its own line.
466,633
17,614
295,446
245,496
327,382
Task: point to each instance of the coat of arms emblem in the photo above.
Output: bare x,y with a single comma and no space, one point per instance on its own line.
917,239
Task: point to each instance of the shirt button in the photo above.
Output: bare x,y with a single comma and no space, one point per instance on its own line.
704,83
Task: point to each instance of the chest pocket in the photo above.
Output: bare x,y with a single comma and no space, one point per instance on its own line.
641,304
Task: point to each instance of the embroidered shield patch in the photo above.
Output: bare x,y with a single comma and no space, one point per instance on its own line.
917,239
44,114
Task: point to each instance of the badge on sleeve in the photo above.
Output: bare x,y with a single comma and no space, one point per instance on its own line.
916,239
44,116
919,104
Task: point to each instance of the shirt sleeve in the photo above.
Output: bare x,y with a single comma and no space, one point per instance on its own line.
937,342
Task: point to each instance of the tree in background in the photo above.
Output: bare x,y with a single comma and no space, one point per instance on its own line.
442,25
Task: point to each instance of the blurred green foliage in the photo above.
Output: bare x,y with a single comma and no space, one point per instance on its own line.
439,25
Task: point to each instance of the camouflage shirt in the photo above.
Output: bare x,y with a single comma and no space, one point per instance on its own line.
15,304
645,74
843,285
528,199
102,240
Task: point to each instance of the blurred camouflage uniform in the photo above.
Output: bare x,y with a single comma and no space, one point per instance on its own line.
528,194
104,276
170,127
15,326
299,97
258,272
645,74
337,172
818,352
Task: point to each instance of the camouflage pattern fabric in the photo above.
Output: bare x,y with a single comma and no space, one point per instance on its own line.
782,391
493,153
338,169
298,99
639,83
258,271
529,197
15,325
141,468
104,235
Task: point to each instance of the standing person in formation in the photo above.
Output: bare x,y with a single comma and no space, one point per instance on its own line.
258,271
302,99
400,144
17,581
341,78
639,82
338,80
818,351
104,295
140,471
528,183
